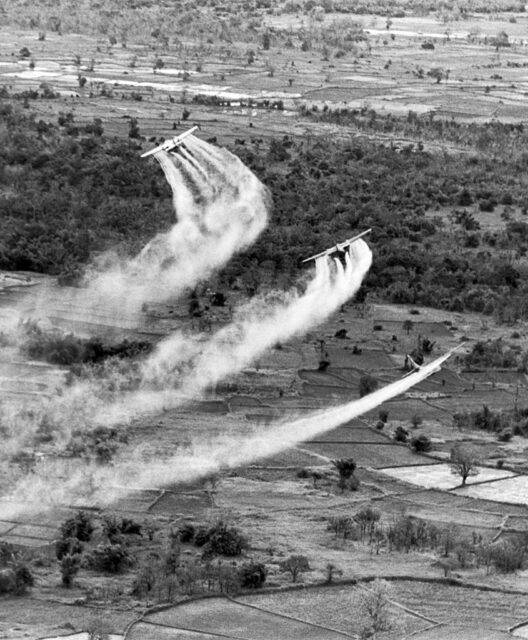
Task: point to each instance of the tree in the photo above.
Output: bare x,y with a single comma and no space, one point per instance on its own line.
421,444
345,468
295,565
252,575
330,571
366,519
464,462
80,527
408,326
367,384
133,131
69,566
374,609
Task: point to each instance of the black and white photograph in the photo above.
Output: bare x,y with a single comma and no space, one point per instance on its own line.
263,319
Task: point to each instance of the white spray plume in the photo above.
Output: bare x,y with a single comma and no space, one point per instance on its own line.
221,209
255,329
183,366
97,485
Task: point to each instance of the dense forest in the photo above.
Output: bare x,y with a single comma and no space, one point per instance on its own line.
68,192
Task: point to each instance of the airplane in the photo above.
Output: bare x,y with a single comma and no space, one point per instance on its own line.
339,248
418,367
409,362
171,144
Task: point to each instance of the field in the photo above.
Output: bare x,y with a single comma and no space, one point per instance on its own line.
276,86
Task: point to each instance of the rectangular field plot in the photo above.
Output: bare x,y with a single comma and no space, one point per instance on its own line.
44,534
289,458
180,503
474,400
368,359
456,605
516,523
146,631
441,516
437,329
514,490
405,408
370,455
228,618
335,607
352,434
440,476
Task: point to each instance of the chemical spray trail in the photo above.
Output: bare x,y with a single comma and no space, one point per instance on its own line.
221,207
184,366
97,485
187,367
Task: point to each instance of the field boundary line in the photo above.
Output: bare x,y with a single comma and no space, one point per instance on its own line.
154,502
433,626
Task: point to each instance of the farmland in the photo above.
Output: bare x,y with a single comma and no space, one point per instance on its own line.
411,123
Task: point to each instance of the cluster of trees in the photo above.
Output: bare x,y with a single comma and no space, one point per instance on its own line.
401,8
490,137
66,349
219,539
497,354
504,423
164,575
63,199
110,556
100,444
407,533
15,575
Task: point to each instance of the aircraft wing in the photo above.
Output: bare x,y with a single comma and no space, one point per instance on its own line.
338,247
168,145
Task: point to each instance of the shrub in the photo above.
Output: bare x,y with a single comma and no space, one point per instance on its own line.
508,556
68,546
505,435
23,578
401,434
416,421
383,415
225,541
80,527
69,567
201,537
421,444
367,384
186,533
345,468
111,558
252,575
380,425
130,527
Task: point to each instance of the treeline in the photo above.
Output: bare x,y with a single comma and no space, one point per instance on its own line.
64,197
493,137
58,348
